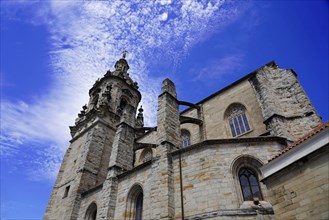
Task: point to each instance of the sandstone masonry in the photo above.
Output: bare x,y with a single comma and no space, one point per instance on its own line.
193,164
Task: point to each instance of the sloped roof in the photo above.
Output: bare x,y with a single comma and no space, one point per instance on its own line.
302,139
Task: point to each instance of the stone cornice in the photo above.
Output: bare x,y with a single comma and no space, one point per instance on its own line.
139,146
207,143
247,77
147,133
107,76
84,194
98,120
275,115
133,170
232,212
170,95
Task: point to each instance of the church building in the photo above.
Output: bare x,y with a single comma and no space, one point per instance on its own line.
232,155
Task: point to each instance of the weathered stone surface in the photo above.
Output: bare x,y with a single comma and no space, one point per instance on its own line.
287,111
105,163
301,191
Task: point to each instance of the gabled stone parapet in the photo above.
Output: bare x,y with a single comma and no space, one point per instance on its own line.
287,111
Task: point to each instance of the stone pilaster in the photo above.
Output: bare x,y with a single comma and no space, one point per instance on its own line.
122,151
121,160
162,191
109,194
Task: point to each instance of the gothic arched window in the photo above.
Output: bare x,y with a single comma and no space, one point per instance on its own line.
249,184
139,207
135,203
91,212
146,155
237,119
186,138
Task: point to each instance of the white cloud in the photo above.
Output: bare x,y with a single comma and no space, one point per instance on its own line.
164,16
219,67
87,38
165,2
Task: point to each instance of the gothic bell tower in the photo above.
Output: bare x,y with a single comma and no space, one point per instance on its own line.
97,141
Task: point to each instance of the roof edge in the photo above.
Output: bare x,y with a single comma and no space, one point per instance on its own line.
246,77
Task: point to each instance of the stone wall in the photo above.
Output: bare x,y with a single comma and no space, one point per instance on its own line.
150,138
83,168
93,196
213,111
99,168
301,191
143,177
209,185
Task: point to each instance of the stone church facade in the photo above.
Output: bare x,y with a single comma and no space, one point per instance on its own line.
202,163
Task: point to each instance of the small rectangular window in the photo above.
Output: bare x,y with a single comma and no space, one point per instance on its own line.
67,189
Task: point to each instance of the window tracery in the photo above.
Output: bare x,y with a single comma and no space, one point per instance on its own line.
237,119
245,171
186,138
249,184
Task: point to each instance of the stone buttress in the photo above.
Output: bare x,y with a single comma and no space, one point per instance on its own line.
168,133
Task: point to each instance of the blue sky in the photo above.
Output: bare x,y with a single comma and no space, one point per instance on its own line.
53,51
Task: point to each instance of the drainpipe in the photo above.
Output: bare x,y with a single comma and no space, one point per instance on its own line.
181,185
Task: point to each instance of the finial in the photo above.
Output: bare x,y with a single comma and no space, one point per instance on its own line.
140,118
141,109
124,53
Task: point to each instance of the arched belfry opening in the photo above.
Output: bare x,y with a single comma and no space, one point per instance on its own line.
122,105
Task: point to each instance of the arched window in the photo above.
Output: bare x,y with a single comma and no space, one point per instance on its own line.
122,106
245,171
91,212
237,119
139,206
186,138
249,184
146,155
134,210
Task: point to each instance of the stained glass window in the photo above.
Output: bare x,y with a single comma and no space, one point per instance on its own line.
238,121
186,138
139,207
249,184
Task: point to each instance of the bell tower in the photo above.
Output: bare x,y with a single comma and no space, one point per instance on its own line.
96,143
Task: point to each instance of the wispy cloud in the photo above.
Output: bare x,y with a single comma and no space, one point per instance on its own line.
87,37
219,67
